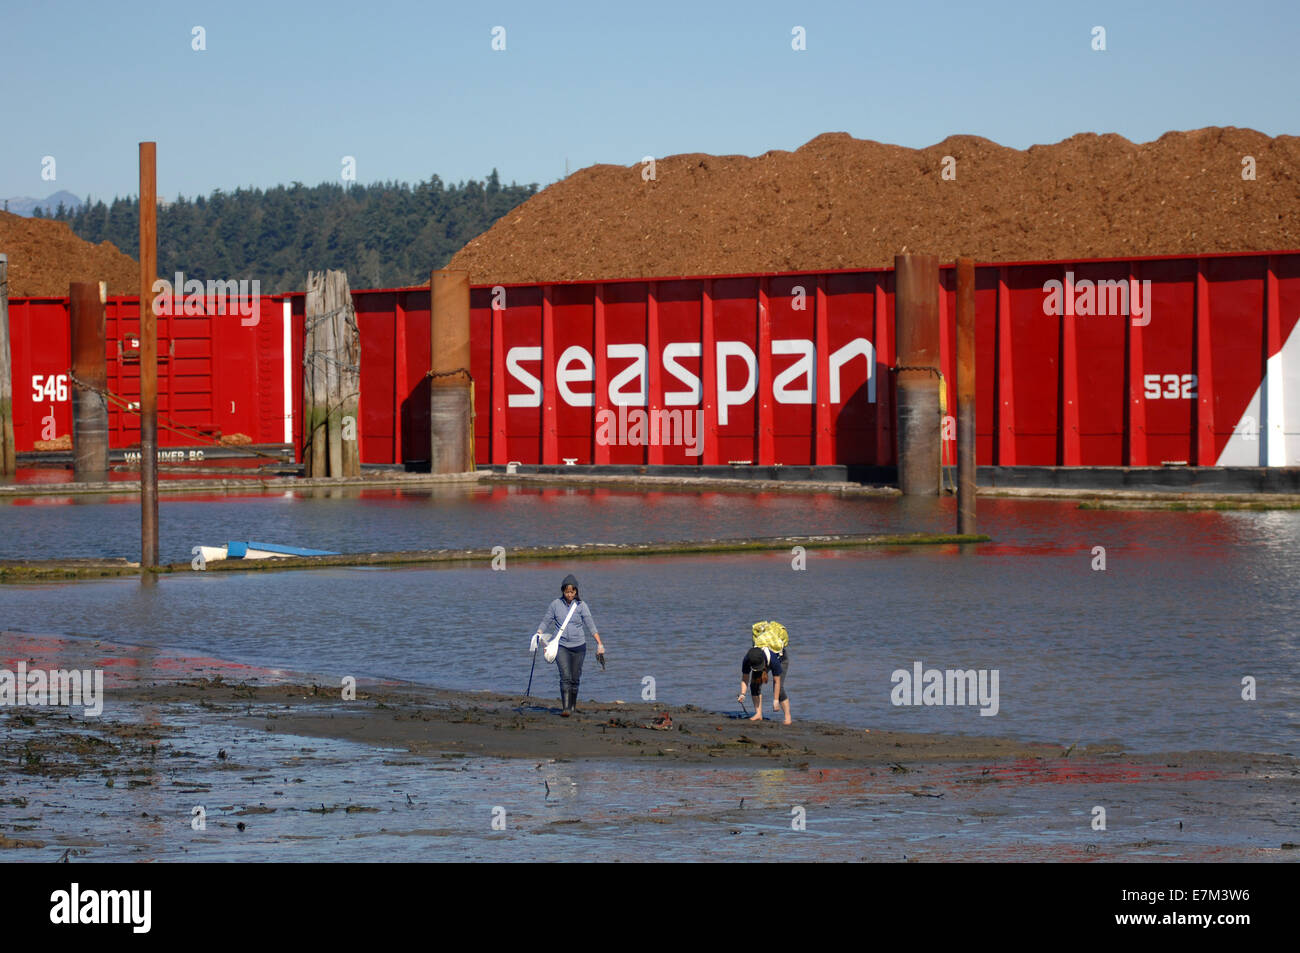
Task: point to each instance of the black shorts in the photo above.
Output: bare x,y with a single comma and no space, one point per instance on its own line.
755,678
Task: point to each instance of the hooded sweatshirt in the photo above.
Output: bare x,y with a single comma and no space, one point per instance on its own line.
581,623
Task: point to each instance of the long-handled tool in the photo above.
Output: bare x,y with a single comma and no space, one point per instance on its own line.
529,693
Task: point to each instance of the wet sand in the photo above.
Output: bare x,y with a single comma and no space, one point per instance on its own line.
433,722
285,768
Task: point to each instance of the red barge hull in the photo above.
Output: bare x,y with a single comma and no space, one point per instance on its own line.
1132,362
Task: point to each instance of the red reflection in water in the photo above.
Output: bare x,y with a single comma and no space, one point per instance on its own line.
122,665
1064,771
42,476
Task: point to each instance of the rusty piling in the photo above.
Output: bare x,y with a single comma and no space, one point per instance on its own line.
451,446
917,328
8,456
89,382
148,356
965,395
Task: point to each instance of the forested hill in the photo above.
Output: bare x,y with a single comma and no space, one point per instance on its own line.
383,235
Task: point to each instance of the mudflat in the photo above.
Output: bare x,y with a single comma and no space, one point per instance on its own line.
436,722
200,758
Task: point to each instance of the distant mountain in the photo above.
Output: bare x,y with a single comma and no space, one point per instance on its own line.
25,206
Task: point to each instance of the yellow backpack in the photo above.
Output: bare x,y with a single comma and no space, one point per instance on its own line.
770,635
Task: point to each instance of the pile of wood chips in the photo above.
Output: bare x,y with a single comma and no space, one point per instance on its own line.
840,202
45,257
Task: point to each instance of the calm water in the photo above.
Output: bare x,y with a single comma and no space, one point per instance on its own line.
1149,653
451,517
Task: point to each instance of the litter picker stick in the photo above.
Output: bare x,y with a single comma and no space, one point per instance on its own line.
529,693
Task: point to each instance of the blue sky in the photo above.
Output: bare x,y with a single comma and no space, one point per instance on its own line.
283,91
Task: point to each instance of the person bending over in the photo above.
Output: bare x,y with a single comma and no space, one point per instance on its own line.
754,671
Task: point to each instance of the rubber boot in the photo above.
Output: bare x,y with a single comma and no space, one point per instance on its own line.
564,702
573,699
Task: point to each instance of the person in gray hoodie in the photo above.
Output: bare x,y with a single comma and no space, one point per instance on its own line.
573,640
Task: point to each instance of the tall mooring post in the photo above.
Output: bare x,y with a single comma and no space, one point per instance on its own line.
89,382
966,395
148,356
451,411
916,326
8,456
331,384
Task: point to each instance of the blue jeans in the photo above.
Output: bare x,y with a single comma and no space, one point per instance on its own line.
569,662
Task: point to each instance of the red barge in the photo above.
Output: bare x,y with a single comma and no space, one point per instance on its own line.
1100,363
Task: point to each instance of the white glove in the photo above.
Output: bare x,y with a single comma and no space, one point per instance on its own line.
532,646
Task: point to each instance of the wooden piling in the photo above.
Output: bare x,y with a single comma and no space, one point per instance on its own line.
349,353
148,356
916,322
315,402
8,455
333,413
451,444
90,382
966,395
331,378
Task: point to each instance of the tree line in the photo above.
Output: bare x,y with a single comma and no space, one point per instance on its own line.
384,235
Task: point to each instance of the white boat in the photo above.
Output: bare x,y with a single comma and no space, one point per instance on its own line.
251,550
